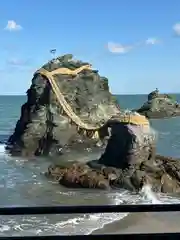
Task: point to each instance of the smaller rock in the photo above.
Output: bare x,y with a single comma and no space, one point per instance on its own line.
159,106
168,184
110,173
78,175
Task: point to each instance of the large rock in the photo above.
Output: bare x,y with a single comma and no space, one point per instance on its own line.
162,173
129,161
67,103
160,106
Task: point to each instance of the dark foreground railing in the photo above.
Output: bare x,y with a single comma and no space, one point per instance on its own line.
94,209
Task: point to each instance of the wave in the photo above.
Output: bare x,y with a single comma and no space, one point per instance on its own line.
83,224
2,149
98,221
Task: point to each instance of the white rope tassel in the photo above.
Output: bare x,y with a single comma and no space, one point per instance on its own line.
95,135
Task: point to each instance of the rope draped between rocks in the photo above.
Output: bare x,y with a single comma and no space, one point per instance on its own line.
81,126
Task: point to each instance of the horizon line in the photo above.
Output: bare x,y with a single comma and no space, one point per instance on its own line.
22,95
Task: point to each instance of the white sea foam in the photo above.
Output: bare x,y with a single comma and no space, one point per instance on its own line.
149,195
88,223
84,224
2,149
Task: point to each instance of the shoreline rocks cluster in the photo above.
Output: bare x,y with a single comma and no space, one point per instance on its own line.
162,174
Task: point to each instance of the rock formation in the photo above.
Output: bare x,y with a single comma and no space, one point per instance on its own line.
160,106
67,103
128,162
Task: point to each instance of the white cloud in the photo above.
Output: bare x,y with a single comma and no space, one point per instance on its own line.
122,49
13,26
17,62
176,29
119,48
152,41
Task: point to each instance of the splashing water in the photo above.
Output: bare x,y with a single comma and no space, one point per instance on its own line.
148,195
2,149
64,225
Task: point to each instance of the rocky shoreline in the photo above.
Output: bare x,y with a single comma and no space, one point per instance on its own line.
68,106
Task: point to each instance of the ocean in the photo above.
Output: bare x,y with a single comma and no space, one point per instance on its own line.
22,182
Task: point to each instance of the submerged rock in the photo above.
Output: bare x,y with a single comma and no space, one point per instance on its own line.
160,106
67,103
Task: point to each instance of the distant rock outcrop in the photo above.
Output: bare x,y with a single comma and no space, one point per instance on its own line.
160,106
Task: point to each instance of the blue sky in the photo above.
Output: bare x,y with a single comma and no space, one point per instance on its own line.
136,44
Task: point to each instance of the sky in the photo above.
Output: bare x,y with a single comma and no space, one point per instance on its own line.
134,43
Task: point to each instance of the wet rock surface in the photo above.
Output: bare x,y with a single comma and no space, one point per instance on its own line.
162,173
160,106
78,175
137,165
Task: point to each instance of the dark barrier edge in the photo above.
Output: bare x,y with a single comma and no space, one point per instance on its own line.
17,210
124,236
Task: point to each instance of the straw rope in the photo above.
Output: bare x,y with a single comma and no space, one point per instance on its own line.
93,129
